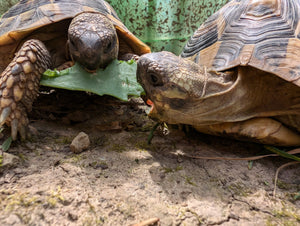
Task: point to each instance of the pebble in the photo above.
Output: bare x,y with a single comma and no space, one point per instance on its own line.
80,143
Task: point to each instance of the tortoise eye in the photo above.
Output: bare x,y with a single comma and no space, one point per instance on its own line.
155,79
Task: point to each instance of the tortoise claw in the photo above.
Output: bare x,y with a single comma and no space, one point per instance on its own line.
19,85
135,57
14,129
4,115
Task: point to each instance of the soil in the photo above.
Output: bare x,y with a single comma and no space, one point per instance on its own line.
122,180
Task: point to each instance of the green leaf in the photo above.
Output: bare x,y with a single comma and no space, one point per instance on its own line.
55,73
282,153
6,144
118,80
250,164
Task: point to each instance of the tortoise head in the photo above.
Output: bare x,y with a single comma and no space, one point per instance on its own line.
93,40
180,90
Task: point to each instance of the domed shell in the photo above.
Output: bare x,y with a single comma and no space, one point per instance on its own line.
260,33
29,15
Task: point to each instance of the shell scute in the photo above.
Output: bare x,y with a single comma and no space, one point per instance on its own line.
270,27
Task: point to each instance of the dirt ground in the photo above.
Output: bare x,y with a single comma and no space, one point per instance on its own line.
121,180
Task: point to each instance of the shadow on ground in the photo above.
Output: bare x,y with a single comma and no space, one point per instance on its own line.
121,180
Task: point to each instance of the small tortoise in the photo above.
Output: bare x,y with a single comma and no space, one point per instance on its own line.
39,34
238,75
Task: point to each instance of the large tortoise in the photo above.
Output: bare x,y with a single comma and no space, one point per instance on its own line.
238,75
39,34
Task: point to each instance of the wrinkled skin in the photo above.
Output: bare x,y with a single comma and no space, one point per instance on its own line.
176,86
244,103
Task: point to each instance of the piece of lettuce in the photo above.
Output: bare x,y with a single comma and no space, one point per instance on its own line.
118,80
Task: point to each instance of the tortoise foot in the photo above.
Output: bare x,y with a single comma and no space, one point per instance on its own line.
129,56
19,84
65,65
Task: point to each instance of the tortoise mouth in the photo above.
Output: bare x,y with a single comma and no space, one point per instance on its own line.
152,107
92,71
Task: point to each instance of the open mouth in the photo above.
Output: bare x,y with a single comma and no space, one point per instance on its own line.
92,71
151,104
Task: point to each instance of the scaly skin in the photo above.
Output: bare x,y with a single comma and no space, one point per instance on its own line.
20,84
93,43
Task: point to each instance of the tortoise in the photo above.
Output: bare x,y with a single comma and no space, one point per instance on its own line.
237,76
36,35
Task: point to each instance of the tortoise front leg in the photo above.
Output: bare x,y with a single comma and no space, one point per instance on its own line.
19,84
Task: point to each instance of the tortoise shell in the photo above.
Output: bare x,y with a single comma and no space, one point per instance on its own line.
29,15
260,33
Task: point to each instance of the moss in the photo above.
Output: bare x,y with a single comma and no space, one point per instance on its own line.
22,157
63,140
147,127
188,180
167,170
75,158
283,185
51,202
141,145
118,148
287,213
54,197
296,196
172,170
14,201
239,189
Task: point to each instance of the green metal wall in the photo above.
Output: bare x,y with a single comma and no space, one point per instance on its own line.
165,24
162,24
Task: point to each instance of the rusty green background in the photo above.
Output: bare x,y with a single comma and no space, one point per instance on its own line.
6,4
162,24
165,24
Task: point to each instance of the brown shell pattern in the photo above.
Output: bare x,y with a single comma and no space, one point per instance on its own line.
259,33
31,14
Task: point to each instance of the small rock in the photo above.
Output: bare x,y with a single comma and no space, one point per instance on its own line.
80,143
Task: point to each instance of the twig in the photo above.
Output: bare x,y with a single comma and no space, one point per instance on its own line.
147,222
277,172
294,151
